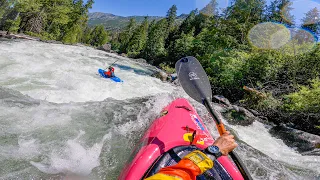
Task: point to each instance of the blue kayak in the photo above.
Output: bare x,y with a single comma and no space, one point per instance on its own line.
115,78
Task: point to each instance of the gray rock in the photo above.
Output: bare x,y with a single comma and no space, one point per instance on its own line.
301,141
176,82
234,114
160,75
123,55
140,60
221,99
106,47
52,41
254,112
3,33
315,152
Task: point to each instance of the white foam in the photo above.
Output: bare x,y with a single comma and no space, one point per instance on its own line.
61,74
258,136
73,158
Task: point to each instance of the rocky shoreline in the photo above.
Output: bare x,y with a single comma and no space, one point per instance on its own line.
303,142
8,35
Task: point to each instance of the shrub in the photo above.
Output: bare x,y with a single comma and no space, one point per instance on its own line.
167,68
305,100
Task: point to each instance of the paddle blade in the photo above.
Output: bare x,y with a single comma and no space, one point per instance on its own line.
194,79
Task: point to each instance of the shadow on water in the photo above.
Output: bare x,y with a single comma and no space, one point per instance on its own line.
137,71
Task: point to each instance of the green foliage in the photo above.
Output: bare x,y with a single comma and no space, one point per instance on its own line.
167,68
98,36
279,11
43,35
63,20
4,7
73,35
262,104
311,20
171,16
244,15
156,40
187,24
211,9
126,35
138,39
226,68
182,46
86,38
263,66
305,100
12,25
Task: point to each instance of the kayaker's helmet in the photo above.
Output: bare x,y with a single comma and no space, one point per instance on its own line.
110,67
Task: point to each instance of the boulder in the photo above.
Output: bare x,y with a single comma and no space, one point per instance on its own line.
3,33
106,47
163,76
160,75
301,141
234,114
123,55
140,60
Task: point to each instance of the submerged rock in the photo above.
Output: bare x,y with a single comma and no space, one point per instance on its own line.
301,141
235,115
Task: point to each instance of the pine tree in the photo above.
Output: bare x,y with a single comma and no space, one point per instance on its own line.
201,21
312,21
181,47
4,6
280,11
211,9
154,49
188,23
242,16
125,36
171,17
86,38
138,40
98,36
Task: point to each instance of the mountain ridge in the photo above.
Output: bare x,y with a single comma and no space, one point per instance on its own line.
114,22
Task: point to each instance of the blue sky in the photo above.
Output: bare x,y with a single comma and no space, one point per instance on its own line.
148,7
160,7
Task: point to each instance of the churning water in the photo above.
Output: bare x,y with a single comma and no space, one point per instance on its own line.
58,118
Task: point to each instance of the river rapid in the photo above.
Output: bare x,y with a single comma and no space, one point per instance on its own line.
58,118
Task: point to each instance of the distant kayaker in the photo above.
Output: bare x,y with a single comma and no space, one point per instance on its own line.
196,162
110,72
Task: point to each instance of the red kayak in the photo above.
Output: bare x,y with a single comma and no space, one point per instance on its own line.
175,134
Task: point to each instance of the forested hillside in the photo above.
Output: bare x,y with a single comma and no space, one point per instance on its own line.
254,54
116,23
61,20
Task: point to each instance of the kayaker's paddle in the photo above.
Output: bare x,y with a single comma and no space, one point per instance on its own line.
112,64
195,82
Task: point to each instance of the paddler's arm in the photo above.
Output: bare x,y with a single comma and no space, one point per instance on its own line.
196,162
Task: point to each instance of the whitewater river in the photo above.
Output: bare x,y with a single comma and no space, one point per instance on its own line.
58,118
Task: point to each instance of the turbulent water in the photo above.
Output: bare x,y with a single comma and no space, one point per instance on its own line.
58,118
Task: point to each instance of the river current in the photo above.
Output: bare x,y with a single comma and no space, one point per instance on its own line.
59,118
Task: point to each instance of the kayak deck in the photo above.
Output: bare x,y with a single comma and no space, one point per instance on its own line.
173,129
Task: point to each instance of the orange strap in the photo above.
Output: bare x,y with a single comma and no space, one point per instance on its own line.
188,168
185,169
